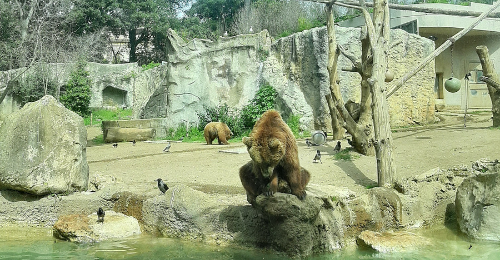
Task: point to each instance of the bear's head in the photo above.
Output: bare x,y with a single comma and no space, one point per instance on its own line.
266,154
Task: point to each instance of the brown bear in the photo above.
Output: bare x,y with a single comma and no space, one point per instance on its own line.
217,130
275,161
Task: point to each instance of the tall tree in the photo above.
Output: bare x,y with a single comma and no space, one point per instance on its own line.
216,12
139,19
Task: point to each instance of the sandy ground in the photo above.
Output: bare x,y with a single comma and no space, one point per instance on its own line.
208,168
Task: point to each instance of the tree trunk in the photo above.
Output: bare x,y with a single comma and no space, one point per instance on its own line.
489,72
379,38
132,37
361,132
337,129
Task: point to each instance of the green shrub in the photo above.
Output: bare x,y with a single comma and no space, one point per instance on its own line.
264,100
150,65
294,123
222,113
76,94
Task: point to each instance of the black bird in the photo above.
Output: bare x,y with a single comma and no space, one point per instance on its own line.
133,142
470,246
308,143
100,215
349,141
162,186
337,147
167,148
317,156
115,145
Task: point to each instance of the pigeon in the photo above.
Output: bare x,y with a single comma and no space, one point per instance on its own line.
115,145
162,186
133,142
317,157
100,215
167,148
337,147
308,143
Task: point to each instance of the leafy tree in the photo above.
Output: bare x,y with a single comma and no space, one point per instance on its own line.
76,93
216,12
141,20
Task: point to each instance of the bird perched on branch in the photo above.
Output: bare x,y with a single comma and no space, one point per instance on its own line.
317,157
337,147
161,185
167,148
100,215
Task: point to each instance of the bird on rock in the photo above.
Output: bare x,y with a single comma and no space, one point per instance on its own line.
100,215
317,156
161,185
337,147
167,148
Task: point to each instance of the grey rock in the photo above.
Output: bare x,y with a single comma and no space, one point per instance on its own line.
43,149
478,206
81,228
399,241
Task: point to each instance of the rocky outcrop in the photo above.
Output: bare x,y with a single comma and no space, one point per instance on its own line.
84,229
202,73
43,149
478,204
429,198
327,220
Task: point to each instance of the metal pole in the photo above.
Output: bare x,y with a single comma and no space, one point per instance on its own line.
466,96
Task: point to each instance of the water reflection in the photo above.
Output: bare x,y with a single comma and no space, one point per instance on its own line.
37,243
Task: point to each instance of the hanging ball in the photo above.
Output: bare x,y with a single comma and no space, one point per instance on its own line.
452,85
318,137
389,76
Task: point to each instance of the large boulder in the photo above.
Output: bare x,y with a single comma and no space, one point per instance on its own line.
478,206
43,149
390,241
81,228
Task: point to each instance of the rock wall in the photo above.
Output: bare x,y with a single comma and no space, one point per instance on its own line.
203,73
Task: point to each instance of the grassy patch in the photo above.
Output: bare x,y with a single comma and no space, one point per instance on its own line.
346,155
100,115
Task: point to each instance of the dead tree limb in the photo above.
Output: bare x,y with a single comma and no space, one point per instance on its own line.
399,83
492,79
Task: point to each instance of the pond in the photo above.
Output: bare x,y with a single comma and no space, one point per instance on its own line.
38,243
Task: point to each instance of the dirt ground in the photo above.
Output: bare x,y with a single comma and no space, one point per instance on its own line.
209,169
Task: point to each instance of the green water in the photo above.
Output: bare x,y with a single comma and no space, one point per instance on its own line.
37,243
